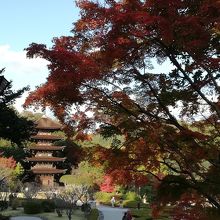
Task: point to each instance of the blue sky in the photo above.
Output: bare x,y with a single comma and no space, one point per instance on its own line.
26,21
23,22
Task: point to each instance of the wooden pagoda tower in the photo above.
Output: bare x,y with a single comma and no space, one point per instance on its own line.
44,159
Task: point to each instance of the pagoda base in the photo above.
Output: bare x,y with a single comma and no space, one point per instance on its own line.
46,180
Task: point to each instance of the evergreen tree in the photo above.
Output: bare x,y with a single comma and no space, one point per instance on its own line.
12,126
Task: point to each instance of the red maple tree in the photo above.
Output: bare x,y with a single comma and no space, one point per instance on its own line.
107,185
105,66
6,165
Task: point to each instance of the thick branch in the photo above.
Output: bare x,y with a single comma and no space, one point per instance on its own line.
176,63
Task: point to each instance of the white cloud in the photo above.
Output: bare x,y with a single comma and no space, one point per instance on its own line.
22,71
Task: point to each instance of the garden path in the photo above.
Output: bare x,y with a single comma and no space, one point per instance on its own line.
110,213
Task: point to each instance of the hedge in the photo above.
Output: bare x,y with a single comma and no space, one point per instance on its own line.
32,207
94,214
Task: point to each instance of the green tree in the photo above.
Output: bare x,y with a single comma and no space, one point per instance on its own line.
19,170
84,174
13,127
11,149
31,115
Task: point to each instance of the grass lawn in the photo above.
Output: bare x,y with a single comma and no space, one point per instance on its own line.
145,214
78,215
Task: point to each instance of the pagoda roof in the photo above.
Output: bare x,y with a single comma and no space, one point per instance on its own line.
47,170
46,137
46,159
47,123
46,147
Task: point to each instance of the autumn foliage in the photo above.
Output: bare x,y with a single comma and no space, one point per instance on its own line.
107,185
7,165
7,162
169,119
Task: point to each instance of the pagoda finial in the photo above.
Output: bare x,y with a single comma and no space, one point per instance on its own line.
44,111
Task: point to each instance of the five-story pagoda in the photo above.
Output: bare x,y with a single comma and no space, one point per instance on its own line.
44,157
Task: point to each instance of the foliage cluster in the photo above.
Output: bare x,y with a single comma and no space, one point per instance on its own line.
131,200
7,166
104,197
148,192
48,205
94,214
4,217
3,205
32,207
132,196
12,126
15,203
106,67
12,150
78,215
85,174
107,184
38,206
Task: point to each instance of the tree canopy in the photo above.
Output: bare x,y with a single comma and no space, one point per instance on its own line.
12,126
84,174
7,165
106,67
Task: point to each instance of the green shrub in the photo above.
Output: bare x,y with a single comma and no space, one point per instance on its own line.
48,206
103,197
149,192
32,207
94,214
146,212
134,204
3,205
20,201
60,204
4,217
86,207
132,196
15,204
130,204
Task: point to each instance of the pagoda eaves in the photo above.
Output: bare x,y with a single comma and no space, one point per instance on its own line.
46,123
46,137
46,147
46,159
47,171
